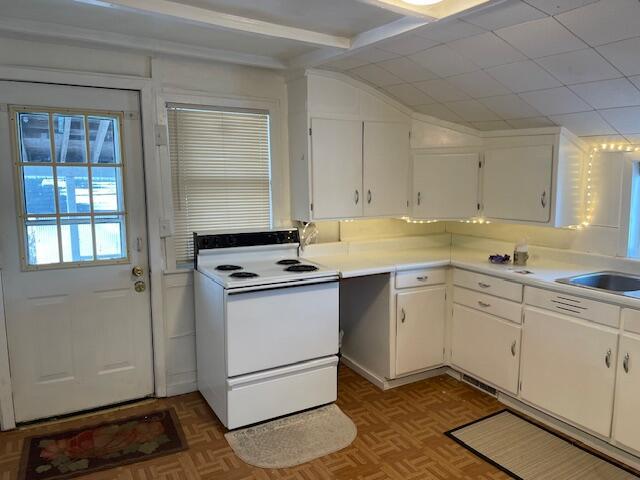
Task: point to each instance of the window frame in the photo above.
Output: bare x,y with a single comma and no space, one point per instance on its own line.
279,189
22,215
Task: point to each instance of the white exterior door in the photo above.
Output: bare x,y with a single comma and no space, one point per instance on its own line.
445,185
386,168
73,214
420,323
517,183
336,152
569,368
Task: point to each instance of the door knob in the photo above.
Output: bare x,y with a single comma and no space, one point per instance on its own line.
137,271
140,286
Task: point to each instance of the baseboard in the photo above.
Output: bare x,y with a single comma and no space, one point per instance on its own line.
385,383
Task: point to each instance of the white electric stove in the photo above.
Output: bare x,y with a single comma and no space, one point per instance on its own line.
266,326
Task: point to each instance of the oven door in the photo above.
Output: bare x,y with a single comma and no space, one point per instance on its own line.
281,326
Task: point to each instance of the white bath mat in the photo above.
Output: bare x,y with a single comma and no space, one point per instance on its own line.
293,440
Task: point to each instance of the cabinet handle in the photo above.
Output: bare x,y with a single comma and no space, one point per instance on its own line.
625,363
423,278
483,285
513,348
403,316
419,198
483,304
607,358
543,199
357,196
368,196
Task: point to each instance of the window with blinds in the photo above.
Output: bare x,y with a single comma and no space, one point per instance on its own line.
221,171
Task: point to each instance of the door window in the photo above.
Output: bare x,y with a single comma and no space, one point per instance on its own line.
70,175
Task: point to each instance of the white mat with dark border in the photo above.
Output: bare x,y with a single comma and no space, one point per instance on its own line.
526,451
295,439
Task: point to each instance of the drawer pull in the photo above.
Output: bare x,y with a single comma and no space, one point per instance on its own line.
423,278
403,316
484,285
513,348
607,359
625,363
357,197
483,304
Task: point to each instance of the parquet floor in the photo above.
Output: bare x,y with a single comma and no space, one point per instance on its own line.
400,437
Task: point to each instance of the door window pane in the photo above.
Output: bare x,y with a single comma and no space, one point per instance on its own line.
73,190
103,134
38,189
110,241
34,137
73,204
107,189
42,241
77,239
69,136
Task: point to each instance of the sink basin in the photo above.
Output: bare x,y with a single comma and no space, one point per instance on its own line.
613,282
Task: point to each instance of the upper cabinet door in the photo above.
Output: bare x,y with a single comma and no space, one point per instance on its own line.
517,183
445,185
336,150
386,168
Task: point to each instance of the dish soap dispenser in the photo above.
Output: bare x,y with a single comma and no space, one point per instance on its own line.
521,253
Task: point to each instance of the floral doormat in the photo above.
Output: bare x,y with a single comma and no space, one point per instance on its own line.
85,450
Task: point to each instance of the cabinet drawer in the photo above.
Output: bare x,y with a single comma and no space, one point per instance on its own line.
488,284
586,309
420,278
488,304
631,319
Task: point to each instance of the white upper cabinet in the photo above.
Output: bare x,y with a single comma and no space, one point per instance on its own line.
349,150
517,183
445,186
336,160
386,168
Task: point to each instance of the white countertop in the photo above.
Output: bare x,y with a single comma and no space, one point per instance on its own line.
544,273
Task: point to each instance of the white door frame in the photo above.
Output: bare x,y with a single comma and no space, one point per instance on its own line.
147,89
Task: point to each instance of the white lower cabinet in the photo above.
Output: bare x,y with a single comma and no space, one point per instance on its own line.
486,346
420,325
626,424
569,368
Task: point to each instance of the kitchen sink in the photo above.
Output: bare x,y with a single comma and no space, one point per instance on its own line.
613,282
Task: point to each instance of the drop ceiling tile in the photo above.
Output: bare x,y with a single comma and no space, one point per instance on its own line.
624,120
579,67
439,111
478,84
487,50
346,63
407,70
535,122
376,75
523,76
448,30
584,123
406,44
554,7
609,93
635,80
604,22
409,95
624,55
491,125
555,101
633,138
504,15
509,107
540,38
374,55
444,61
472,111
442,90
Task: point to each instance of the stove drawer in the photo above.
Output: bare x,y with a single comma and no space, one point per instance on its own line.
261,396
281,326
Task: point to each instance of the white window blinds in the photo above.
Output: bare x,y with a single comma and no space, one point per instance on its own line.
220,169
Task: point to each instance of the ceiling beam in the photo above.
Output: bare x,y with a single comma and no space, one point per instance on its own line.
32,30
213,19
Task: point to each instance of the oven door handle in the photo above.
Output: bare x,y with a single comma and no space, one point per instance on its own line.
279,286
